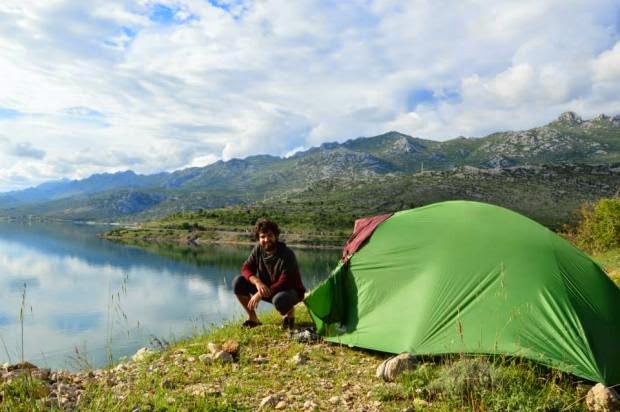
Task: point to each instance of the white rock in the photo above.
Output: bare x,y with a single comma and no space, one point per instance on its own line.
214,347
269,400
141,354
391,368
310,406
223,357
205,358
299,359
120,367
260,360
198,389
334,400
281,405
602,399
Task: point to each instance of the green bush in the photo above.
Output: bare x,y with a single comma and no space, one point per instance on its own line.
598,229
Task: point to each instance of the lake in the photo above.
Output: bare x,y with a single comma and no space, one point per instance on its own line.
88,300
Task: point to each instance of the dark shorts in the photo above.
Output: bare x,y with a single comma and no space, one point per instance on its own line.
283,301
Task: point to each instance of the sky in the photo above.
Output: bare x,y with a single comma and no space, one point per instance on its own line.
105,86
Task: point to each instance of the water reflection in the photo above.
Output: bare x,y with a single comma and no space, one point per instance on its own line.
83,292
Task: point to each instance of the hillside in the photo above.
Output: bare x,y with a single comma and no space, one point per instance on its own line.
323,214
128,196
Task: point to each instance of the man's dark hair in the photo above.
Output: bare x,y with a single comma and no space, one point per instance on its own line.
264,226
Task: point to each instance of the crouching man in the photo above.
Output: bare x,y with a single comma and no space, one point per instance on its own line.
271,274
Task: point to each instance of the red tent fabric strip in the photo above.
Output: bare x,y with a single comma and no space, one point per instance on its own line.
362,230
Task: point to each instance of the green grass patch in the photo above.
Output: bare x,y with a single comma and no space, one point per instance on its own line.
334,377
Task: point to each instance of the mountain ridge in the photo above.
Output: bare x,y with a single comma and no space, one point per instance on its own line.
567,139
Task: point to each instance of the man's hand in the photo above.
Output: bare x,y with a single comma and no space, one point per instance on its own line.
262,288
254,300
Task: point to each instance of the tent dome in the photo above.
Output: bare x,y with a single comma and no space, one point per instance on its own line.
468,277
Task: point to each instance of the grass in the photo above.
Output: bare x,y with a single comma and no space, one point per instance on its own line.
610,260
333,378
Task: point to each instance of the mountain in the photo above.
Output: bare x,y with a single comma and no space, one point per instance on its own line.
567,140
69,188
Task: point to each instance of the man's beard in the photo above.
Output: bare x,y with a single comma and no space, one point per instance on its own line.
270,247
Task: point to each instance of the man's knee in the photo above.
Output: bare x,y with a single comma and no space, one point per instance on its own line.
284,301
241,286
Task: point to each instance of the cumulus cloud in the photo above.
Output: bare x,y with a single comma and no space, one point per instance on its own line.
165,84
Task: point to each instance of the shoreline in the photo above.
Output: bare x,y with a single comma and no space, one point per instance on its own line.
230,368
135,236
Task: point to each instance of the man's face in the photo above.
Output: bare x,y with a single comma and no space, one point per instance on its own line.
267,240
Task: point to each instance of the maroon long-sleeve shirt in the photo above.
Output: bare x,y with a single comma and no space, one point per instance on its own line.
278,271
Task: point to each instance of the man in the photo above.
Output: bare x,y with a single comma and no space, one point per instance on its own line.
271,274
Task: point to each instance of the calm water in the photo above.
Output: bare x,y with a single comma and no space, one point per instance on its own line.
88,295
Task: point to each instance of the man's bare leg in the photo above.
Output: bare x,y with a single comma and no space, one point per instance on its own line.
244,300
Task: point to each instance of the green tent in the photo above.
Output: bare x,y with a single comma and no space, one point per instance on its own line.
468,277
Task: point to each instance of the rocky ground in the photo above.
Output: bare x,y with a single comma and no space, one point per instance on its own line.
267,368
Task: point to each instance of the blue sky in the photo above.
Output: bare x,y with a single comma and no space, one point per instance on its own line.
105,86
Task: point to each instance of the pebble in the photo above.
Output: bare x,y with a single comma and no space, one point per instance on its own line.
299,359
141,354
334,400
223,357
281,405
260,360
268,400
213,347
310,406
198,389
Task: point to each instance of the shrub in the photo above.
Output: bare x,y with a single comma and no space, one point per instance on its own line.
598,229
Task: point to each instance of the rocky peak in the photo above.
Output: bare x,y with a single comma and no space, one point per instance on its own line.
402,145
602,117
571,118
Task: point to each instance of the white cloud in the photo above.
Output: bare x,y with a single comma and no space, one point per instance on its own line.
152,85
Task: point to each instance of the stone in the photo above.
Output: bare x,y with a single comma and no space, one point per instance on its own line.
602,399
213,347
299,359
43,373
191,359
22,366
205,358
120,367
222,356
141,354
334,400
260,360
281,405
310,406
170,399
198,389
267,401
391,368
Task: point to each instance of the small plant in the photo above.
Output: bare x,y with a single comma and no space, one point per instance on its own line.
598,229
22,315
